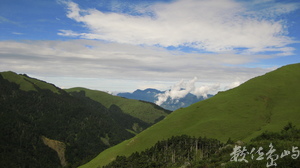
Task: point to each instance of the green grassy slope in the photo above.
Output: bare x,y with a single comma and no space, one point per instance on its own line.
147,112
27,83
263,103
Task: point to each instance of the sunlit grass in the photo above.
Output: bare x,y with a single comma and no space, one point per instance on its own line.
264,103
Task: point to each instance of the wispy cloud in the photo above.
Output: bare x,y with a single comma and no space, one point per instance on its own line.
17,33
208,25
5,20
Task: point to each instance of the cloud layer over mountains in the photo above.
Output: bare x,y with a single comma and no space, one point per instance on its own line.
182,88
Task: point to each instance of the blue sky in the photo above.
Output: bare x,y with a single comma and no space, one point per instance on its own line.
115,45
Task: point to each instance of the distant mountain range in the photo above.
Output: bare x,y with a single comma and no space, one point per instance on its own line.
151,95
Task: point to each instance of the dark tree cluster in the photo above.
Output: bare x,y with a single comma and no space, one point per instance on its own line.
80,123
190,152
173,152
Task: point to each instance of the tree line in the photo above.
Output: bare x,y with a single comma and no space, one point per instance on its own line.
189,152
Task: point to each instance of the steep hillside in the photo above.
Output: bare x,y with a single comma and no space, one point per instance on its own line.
151,95
145,111
44,126
263,103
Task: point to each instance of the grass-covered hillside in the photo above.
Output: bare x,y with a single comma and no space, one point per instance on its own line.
145,111
263,103
27,83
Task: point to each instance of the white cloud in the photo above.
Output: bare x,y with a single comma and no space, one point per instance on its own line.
182,88
111,59
233,85
204,90
149,65
210,25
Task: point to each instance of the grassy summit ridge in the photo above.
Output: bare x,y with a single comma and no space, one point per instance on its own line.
27,83
264,103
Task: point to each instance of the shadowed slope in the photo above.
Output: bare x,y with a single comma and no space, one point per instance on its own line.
145,111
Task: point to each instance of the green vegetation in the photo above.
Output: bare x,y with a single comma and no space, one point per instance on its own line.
264,103
173,152
75,123
147,112
27,83
186,151
126,121
82,125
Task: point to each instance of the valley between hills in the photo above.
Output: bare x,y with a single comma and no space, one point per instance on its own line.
45,126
